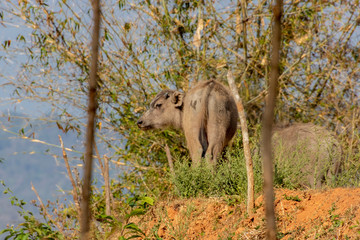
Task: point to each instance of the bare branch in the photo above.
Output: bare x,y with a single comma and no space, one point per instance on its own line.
75,187
45,211
99,160
168,155
107,186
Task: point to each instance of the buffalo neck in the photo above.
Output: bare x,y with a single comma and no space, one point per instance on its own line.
177,124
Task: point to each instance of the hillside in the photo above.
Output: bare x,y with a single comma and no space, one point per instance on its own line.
310,214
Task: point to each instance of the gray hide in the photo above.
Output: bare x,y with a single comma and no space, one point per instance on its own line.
207,114
306,154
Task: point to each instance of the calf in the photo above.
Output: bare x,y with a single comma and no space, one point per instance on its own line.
207,114
310,152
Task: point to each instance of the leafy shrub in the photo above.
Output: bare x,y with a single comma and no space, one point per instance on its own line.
229,178
30,228
350,174
191,182
135,206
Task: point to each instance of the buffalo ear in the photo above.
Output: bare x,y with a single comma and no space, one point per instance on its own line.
177,99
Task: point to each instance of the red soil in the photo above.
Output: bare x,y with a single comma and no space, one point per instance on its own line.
311,214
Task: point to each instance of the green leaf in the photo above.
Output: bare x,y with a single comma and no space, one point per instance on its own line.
133,227
8,237
131,201
134,236
148,200
121,4
25,237
136,212
39,231
104,216
6,44
4,231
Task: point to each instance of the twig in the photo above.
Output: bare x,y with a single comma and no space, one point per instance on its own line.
244,17
61,229
145,184
99,159
134,165
78,181
36,140
107,186
74,192
169,158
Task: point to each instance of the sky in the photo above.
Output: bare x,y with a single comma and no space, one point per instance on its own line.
23,161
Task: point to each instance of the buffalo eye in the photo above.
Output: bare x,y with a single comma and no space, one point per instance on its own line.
158,105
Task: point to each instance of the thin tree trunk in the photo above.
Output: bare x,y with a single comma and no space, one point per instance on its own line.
268,122
90,131
244,20
245,134
107,186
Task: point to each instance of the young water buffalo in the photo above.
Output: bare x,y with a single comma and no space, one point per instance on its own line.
306,154
207,114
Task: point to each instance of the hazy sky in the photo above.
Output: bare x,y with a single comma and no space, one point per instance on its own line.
25,162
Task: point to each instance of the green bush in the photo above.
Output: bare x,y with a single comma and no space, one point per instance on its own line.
229,178
30,227
291,169
350,174
192,182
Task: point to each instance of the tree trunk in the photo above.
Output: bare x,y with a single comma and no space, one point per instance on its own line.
267,124
245,135
90,131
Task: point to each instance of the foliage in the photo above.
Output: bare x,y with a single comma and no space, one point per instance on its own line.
350,175
292,198
30,228
229,178
149,45
137,206
63,223
192,182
